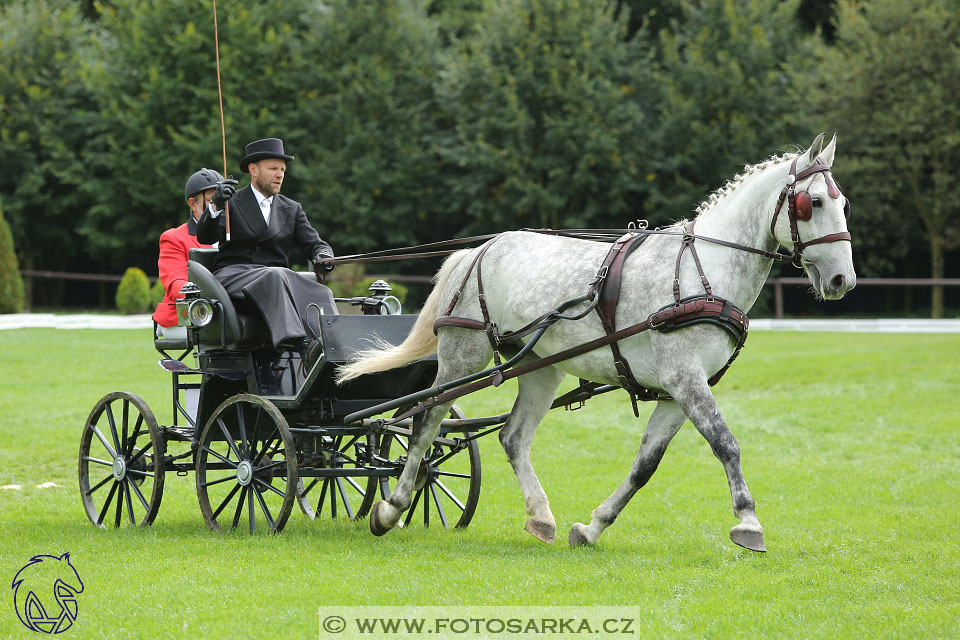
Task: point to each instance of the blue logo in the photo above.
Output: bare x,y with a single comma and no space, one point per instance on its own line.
45,593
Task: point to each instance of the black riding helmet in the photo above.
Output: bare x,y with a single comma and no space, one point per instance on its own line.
201,181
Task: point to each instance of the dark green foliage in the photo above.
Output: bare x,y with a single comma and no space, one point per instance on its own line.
133,293
728,97
544,120
891,87
156,293
11,284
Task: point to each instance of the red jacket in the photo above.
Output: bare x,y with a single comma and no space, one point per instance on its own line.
175,245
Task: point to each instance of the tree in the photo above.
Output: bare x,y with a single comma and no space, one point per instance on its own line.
727,77
892,85
46,114
544,126
11,285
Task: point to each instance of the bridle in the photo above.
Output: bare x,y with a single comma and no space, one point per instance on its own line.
800,207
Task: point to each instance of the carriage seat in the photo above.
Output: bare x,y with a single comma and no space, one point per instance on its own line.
243,329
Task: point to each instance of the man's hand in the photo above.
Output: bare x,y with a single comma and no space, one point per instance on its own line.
321,267
225,191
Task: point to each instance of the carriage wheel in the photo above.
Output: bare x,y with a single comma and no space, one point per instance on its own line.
121,446
352,495
448,482
246,466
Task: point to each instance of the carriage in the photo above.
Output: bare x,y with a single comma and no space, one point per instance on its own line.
376,412
261,433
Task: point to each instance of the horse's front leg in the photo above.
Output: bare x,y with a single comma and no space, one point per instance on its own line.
386,513
693,394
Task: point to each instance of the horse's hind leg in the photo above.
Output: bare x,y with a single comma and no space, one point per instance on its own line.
664,423
537,391
460,352
700,406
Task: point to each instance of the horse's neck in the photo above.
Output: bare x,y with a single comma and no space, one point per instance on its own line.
743,217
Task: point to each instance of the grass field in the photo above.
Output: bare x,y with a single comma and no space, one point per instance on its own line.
850,445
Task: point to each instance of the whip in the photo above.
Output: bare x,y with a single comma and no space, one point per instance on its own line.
223,128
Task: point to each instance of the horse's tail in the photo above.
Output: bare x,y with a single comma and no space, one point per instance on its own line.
421,340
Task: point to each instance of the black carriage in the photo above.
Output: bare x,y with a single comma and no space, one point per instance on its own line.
266,432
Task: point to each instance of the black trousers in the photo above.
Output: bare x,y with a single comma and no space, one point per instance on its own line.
282,297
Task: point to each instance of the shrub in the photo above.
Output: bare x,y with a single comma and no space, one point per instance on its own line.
133,294
11,284
156,293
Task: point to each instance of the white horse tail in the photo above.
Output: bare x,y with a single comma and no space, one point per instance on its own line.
421,340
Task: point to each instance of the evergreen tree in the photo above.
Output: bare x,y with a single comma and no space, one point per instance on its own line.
891,86
11,285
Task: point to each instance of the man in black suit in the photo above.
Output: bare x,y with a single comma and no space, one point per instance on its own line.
253,264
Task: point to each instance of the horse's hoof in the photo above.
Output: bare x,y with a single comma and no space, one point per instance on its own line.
748,538
377,525
578,536
542,531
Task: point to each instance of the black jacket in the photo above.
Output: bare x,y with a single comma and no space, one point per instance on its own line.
252,241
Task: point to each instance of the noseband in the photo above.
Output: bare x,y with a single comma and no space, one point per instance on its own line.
800,207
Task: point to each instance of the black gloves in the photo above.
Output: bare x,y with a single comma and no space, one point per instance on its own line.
225,190
321,268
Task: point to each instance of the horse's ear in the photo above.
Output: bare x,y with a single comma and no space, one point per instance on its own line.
65,556
815,148
829,151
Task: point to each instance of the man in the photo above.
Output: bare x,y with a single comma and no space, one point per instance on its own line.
175,245
253,264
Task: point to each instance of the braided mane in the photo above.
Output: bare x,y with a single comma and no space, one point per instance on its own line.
733,183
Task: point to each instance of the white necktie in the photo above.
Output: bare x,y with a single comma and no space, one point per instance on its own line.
265,208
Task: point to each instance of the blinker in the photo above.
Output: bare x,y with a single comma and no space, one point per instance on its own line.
804,203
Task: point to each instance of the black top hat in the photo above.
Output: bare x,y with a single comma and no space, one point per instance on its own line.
261,150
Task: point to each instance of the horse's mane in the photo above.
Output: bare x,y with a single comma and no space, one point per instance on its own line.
748,170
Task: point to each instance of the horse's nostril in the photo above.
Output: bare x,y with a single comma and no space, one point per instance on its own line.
837,282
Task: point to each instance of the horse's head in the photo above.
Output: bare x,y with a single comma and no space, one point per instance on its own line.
811,217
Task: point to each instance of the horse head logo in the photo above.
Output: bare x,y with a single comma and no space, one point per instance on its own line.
33,586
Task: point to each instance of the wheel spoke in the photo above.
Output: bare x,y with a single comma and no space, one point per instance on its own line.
309,488
456,501
129,501
426,508
103,441
106,504
444,458
98,461
323,494
221,458
242,423
140,473
267,485
143,500
119,515
272,443
263,507
99,484
440,512
228,438
251,512
346,501
210,483
413,508
239,511
360,490
140,453
113,427
124,424
451,474
132,442
399,441
226,501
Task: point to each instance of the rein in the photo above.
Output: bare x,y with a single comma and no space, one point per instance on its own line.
223,128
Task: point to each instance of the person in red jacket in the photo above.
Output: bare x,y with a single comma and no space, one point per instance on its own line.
175,245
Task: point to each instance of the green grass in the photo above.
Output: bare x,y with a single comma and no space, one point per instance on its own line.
850,445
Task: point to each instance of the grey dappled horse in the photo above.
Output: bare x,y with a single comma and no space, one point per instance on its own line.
527,274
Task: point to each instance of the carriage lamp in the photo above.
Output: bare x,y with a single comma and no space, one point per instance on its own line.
192,310
379,303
